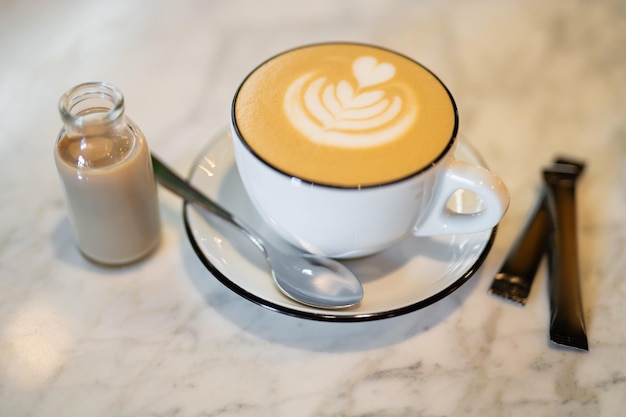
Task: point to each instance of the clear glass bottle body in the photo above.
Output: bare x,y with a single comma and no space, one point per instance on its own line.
106,170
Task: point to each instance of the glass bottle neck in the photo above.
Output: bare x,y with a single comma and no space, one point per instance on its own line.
91,106
96,134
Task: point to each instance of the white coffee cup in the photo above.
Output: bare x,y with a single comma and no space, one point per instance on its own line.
350,221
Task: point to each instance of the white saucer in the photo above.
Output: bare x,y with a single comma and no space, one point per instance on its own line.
412,274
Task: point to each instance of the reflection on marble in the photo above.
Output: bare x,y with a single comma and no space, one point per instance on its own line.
532,78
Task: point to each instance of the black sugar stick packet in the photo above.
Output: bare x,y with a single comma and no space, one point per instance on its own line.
567,324
551,229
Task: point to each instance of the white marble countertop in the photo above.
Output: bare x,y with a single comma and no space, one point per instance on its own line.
532,78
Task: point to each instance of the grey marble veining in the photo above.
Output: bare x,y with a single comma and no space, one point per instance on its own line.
532,78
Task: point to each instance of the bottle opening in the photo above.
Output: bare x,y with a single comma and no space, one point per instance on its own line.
91,104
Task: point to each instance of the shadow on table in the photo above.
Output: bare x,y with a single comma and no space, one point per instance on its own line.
322,336
66,250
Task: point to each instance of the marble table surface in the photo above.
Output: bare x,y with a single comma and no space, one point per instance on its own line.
532,79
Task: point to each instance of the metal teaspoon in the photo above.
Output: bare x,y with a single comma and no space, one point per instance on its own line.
309,279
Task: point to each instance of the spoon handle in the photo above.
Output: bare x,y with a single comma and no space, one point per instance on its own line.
167,178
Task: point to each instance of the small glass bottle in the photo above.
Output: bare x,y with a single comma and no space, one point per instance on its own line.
106,170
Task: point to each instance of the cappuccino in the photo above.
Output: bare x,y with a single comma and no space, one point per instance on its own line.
345,115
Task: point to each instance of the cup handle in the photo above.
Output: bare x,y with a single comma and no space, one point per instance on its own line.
439,220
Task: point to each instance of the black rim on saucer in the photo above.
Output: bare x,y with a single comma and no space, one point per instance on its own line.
329,315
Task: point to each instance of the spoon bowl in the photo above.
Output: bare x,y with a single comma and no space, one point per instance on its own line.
309,279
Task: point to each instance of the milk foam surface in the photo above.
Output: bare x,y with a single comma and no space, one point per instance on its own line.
345,114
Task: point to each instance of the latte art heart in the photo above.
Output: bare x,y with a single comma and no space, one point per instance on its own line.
369,72
360,111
